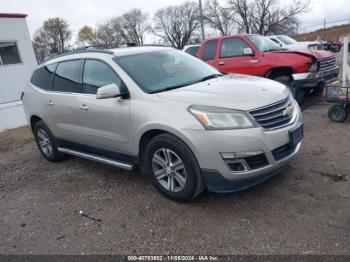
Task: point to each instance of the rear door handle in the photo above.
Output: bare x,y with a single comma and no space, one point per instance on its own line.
84,107
221,63
50,103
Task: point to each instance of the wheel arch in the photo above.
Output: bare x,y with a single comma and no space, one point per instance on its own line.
33,120
279,71
148,134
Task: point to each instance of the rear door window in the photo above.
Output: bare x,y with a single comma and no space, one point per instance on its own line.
209,50
273,39
68,77
97,74
43,76
193,50
232,47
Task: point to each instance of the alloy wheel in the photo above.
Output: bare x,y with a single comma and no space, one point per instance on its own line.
169,170
44,142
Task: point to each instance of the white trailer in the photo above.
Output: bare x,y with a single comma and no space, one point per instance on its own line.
17,60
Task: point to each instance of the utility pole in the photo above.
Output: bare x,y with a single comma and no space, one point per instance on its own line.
345,60
201,19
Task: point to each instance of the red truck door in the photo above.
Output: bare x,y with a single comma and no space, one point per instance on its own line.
209,52
236,56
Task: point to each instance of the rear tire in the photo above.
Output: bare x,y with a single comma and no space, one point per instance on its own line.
337,113
173,168
318,91
298,94
46,142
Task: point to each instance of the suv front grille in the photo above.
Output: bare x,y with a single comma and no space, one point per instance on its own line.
327,64
275,116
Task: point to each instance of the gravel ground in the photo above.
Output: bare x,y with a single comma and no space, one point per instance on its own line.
81,207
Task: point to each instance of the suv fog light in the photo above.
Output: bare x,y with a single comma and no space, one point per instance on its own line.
245,161
238,167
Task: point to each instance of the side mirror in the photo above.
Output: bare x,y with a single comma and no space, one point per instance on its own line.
248,51
108,91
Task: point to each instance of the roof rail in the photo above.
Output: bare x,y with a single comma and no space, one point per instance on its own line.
156,45
79,51
137,45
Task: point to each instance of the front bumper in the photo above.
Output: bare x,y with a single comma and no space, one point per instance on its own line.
215,182
208,147
313,80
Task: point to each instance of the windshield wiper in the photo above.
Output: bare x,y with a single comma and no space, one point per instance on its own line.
186,84
170,88
271,50
209,77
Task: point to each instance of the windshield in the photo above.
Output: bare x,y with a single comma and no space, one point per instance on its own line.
165,70
286,40
263,43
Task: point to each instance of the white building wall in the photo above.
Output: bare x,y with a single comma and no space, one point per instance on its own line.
13,78
12,115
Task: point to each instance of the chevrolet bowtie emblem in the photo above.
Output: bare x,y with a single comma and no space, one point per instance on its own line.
288,111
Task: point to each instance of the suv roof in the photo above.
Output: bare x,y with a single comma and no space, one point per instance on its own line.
115,52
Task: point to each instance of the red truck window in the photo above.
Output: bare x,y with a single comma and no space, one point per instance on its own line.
232,47
209,50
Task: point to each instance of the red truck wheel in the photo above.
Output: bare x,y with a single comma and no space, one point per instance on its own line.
298,94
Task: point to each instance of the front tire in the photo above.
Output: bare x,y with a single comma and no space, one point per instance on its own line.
46,142
173,168
319,90
298,94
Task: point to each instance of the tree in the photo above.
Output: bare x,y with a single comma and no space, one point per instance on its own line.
108,35
267,16
177,25
133,26
52,38
242,14
270,17
40,50
218,17
87,36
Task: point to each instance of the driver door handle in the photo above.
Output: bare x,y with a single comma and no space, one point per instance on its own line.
84,107
221,63
50,103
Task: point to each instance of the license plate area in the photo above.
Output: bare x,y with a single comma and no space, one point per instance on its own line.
296,136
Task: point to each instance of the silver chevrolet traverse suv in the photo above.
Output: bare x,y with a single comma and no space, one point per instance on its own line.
169,114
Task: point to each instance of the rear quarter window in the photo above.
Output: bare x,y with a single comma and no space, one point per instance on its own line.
209,50
43,76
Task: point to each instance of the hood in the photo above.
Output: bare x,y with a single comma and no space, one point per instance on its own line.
317,54
234,91
301,45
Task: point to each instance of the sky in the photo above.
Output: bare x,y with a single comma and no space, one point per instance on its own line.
91,12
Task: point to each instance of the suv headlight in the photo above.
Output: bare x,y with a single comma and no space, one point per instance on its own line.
221,118
313,67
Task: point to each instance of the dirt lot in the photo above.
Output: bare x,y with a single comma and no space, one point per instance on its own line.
304,210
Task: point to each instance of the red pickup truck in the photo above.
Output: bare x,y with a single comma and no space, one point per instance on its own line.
304,71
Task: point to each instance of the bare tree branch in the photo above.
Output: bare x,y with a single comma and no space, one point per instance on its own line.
177,25
52,38
218,17
133,26
267,16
